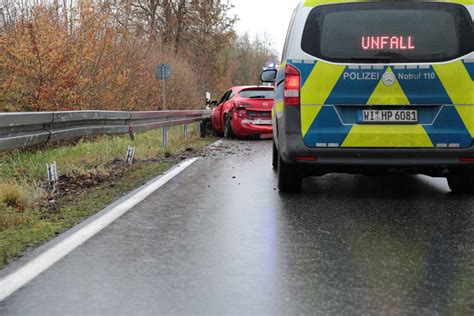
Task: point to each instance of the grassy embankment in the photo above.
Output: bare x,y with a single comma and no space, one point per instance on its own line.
92,175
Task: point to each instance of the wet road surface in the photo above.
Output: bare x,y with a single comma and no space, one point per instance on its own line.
209,243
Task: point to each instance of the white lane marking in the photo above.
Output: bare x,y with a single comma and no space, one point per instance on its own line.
20,277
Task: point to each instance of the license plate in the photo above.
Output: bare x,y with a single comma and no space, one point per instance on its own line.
388,116
262,122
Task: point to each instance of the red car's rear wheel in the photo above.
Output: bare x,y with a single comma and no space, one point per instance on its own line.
228,133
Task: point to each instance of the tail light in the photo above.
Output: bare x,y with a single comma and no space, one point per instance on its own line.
467,159
241,109
306,158
292,86
241,105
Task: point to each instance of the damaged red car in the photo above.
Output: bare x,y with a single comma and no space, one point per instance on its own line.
244,112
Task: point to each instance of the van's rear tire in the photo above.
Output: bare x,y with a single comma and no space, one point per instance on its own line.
462,182
289,179
274,157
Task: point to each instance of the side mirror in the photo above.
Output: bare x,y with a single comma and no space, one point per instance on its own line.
214,103
268,75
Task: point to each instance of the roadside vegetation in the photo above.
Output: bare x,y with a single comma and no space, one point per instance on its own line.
101,55
92,173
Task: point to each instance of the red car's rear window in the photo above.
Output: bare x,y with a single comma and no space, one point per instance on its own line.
257,94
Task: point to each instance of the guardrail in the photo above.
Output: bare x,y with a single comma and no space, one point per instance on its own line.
20,130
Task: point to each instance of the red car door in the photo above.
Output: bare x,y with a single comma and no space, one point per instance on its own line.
227,106
217,112
216,118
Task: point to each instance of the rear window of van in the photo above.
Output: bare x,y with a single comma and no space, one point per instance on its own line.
388,32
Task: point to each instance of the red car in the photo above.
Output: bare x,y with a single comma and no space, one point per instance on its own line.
244,112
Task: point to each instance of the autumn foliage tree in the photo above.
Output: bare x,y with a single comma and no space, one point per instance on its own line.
86,54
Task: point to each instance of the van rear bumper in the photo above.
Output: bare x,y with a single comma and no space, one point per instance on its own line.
433,162
418,160
375,156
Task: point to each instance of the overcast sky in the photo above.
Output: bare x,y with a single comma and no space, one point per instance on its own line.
259,16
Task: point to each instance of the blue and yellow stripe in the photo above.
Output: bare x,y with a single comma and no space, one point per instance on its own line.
326,85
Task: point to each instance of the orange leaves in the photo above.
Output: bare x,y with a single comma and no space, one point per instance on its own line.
102,55
45,65
35,63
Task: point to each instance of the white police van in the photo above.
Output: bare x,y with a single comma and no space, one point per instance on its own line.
376,86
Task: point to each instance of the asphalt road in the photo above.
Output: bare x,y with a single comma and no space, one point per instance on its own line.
209,243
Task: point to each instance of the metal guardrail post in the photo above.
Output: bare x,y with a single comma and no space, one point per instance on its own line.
185,131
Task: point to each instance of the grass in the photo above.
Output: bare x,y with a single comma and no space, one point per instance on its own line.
30,214
86,154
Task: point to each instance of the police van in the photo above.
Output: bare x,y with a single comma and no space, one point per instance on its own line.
374,87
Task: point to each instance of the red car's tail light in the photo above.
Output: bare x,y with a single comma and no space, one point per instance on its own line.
467,159
292,86
242,113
